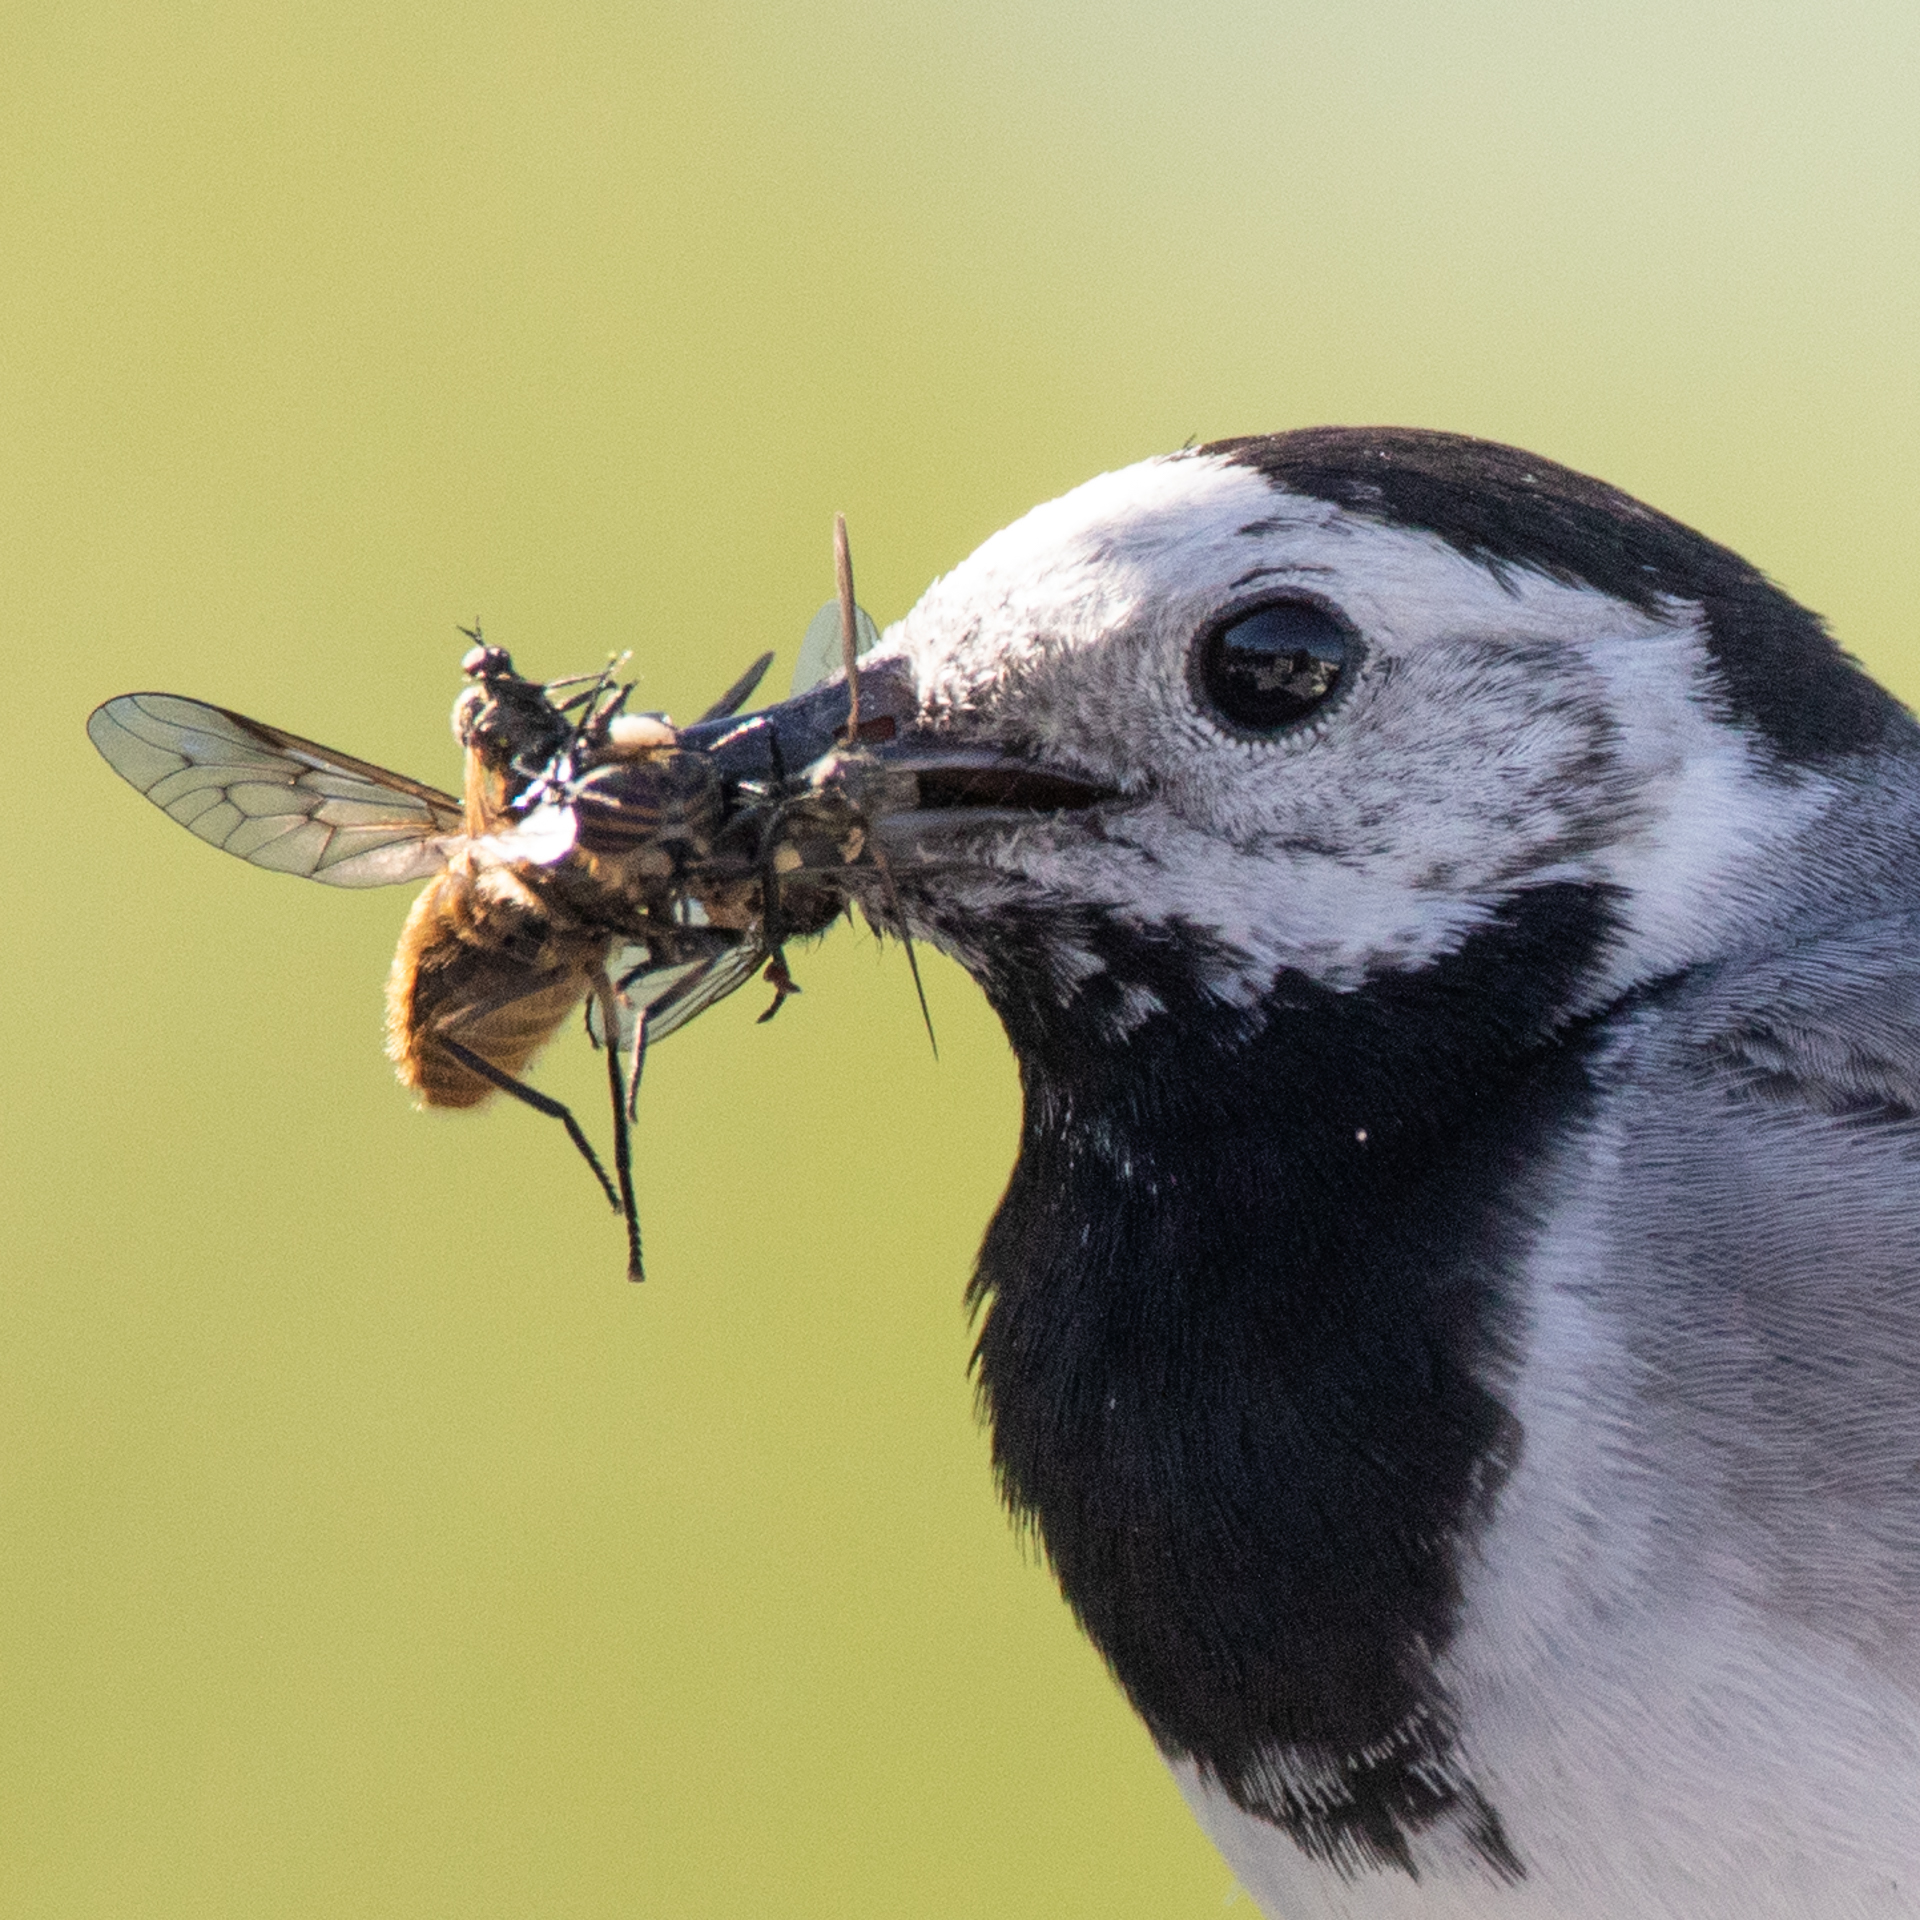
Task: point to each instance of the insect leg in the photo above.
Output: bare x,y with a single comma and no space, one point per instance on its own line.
772,924
906,940
639,1061
782,982
737,695
539,1102
622,1140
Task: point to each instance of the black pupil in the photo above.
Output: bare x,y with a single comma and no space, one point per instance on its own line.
1275,666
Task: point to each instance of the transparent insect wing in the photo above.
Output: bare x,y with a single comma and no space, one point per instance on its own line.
270,797
670,996
820,649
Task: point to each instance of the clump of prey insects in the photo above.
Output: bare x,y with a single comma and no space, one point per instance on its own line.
779,869
594,856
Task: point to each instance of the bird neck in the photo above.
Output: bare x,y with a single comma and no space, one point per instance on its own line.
1244,1305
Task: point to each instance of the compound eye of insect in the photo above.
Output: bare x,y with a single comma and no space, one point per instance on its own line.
1263,672
482,662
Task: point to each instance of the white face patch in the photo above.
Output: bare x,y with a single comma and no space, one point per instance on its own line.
1503,730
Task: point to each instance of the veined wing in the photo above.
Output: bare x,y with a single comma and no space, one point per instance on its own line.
820,655
670,996
272,798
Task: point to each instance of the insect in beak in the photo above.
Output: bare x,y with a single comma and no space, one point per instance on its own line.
595,856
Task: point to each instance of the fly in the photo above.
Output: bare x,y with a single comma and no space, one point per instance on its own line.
590,859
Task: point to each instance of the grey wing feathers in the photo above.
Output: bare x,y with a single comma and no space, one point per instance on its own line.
274,799
1762,1247
1831,1028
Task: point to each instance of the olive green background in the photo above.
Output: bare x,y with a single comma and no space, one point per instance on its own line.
367,1546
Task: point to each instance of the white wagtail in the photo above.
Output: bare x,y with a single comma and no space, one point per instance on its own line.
1455,1319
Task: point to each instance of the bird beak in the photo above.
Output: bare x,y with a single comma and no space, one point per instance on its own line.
890,771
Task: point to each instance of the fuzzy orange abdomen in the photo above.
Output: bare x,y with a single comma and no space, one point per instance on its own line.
482,967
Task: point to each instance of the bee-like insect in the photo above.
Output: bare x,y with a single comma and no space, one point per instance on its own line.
570,870
594,855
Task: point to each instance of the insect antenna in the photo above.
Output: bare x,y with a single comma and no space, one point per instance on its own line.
539,1102
622,1138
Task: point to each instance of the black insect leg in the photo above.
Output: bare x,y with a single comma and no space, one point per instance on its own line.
737,695
906,940
772,938
539,1102
783,984
622,1139
632,1101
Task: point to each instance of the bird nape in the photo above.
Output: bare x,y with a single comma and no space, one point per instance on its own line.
1454,1323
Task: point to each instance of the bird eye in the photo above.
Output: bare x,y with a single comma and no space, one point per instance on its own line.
1270,668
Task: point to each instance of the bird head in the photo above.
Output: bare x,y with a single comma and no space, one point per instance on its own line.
1324,703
